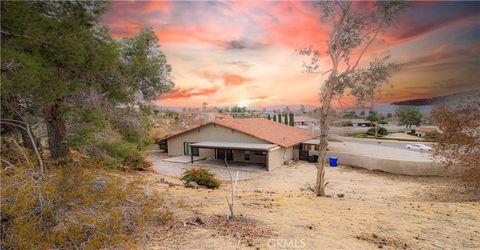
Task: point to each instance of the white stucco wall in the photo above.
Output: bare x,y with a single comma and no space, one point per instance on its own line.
278,156
418,168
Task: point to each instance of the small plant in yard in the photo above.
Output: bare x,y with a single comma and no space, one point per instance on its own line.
202,177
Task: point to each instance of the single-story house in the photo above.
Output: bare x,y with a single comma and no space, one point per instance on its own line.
255,140
422,131
305,121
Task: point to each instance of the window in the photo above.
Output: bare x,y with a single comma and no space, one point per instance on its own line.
261,153
246,155
187,150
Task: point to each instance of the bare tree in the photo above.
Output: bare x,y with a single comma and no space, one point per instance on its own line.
26,127
459,144
233,186
353,29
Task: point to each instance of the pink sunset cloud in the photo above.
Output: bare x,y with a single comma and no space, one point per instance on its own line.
244,50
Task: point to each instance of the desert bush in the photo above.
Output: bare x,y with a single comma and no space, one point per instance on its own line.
433,136
459,145
347,124
381,131
201,176
136,161
78,205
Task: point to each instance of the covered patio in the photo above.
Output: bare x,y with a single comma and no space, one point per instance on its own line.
234,153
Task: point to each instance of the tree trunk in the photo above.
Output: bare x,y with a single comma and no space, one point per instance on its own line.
56,130
324,129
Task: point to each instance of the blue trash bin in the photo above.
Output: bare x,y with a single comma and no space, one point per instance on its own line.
333,161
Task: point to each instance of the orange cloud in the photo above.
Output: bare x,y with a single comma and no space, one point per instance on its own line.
229,79
295,25
178,93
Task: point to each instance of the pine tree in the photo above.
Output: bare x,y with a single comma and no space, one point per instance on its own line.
291,120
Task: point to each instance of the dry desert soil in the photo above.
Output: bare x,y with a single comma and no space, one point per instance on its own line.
364,210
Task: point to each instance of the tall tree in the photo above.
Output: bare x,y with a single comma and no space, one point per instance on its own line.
280,118
369,81
291,121
61,44
285,118
408,116
353,29
66,51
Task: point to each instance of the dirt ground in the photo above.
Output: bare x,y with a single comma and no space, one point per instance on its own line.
277,211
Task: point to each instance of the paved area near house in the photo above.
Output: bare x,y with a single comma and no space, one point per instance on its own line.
184,159
383,143
241,166
379,151
176,169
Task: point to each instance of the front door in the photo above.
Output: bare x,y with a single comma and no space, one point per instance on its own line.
220,154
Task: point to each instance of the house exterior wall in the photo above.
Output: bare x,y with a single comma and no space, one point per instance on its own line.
209,132
278,157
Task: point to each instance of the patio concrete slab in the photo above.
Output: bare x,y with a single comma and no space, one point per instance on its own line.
184,159
176,169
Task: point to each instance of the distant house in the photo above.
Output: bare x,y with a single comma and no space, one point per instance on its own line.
255,140
305,121
266,114
352,123
360,123
422,131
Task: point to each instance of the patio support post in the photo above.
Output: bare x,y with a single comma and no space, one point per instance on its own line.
191,156
225,157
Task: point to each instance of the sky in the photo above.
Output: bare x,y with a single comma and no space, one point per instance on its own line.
243,52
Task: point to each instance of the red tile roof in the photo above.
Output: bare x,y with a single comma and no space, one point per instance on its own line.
263,129
426,130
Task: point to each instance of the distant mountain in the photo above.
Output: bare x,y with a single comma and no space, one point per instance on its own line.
423,101
447,99
281,107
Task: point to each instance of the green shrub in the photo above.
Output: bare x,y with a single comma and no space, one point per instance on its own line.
380,131
202,177
383,122
347,124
